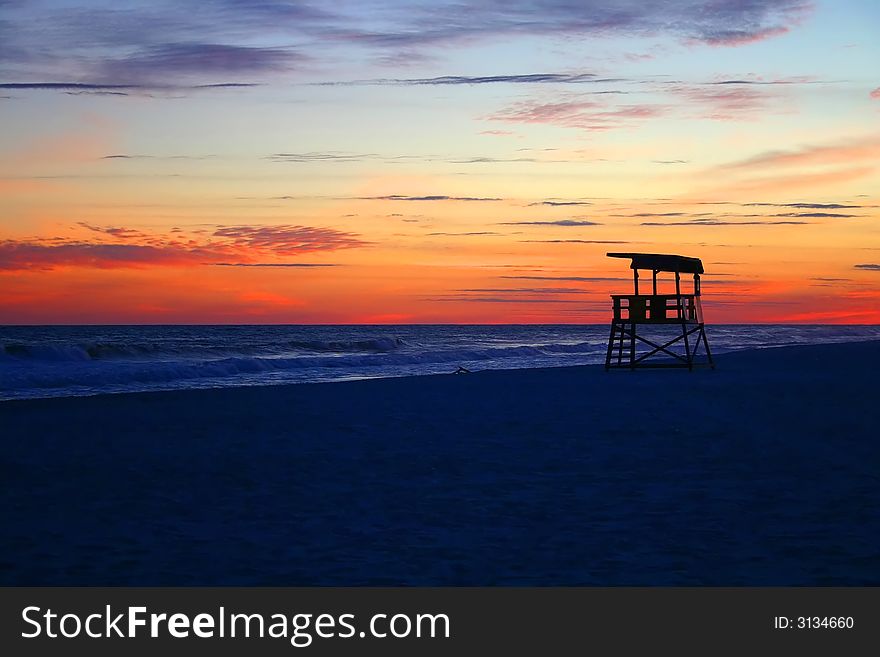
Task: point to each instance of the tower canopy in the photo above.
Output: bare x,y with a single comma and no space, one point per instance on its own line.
662,262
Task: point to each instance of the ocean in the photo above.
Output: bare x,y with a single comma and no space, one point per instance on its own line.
62,361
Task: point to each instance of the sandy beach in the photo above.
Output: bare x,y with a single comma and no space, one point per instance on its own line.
763,472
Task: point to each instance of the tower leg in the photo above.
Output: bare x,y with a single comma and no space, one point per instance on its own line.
687,347
706,345
632,346
610,347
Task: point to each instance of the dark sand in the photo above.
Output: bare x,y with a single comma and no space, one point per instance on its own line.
764,472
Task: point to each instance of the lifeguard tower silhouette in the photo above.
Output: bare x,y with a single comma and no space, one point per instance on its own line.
683,311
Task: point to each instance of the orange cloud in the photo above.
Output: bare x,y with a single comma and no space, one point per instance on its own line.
842,153
785,183
804,168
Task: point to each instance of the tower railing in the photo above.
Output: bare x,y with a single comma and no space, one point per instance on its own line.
656,308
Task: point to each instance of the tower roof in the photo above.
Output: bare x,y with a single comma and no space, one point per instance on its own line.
662,262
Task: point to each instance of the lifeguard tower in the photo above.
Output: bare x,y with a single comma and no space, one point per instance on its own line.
636,315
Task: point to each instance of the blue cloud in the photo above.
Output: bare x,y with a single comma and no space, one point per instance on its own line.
109,42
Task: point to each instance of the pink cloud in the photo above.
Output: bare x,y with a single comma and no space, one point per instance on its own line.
722,100
17,255
727,103
744,37
132,249
582,114
288,240
876,93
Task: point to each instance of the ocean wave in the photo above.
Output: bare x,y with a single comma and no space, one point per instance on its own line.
80,352
344,346
72,369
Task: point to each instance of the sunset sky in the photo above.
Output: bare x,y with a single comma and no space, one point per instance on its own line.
380,161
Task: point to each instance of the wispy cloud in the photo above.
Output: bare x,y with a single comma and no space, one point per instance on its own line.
470,234
275,264
580,241
653,214
522,78
465,299
553,203
768,82
723,222
499,160
431,197
868,267
580,279
386,197
114,231
137,156
815,215
808,206
875,94
558,222
120,89
580,113
319,156
341,157
67,86
527,290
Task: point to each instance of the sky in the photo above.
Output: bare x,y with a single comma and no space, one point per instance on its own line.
380,161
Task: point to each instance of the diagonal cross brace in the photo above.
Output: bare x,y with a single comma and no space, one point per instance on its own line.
658,348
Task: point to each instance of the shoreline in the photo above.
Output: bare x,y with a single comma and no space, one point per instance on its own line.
723,356
761,472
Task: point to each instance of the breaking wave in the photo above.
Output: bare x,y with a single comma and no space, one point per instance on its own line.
120,351
78,368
